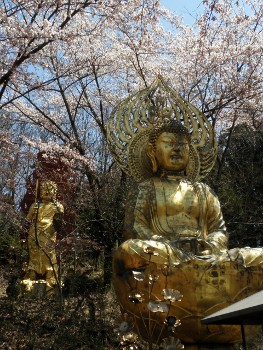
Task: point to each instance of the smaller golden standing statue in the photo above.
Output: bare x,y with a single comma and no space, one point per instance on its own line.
43,216
176,239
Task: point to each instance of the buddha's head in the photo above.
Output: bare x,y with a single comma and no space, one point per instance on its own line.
168,148
48,190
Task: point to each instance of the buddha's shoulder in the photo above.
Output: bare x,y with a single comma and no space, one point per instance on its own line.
156,182
146,184
206,189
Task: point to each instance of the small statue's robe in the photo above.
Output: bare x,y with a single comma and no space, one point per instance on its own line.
42,237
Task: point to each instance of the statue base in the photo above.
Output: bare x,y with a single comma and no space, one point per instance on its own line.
154,294
209,347
38,289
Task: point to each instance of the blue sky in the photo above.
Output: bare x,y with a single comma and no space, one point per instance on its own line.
188,9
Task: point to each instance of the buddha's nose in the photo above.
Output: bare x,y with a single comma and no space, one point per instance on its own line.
176,147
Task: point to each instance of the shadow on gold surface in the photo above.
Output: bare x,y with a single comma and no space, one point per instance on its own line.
205,289
176,239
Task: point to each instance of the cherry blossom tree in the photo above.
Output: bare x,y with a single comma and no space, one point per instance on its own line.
222,65
55,58
65,64
61,81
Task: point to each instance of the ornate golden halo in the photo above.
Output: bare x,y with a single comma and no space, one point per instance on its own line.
134,118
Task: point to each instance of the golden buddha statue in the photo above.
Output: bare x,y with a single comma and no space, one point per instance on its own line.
42,237
176,212
175,236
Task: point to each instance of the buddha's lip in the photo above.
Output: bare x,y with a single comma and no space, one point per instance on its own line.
176,156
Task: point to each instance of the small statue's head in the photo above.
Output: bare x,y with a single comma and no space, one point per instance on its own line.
168,147
48,190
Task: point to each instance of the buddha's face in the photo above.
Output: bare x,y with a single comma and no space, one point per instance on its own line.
172,151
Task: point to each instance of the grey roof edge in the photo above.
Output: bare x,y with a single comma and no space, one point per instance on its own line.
244,307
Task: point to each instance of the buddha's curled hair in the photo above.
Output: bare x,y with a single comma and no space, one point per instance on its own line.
172,126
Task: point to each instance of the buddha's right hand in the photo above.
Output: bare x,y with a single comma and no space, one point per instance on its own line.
204,247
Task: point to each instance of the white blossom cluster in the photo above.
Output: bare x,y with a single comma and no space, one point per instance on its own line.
65,64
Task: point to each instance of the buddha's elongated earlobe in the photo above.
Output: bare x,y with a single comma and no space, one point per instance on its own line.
151,154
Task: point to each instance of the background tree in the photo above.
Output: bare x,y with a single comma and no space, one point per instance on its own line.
240,185
64,65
